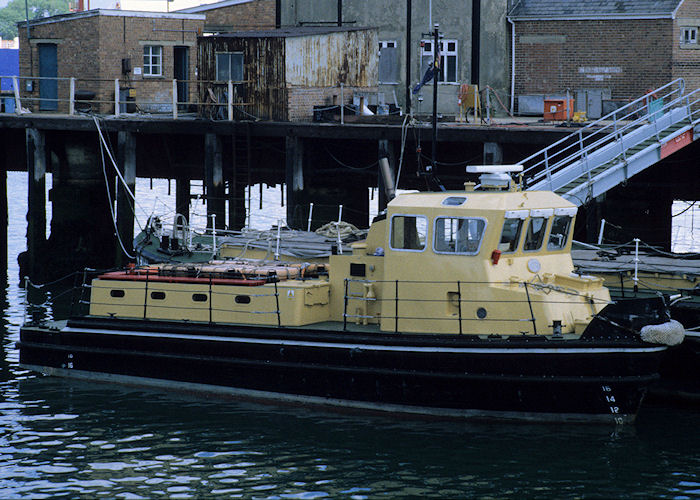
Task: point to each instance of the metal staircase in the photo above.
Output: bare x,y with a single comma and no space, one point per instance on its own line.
610,150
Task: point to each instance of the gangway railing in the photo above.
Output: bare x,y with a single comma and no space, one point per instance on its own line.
575,162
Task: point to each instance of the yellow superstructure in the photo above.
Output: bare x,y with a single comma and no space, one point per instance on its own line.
487,263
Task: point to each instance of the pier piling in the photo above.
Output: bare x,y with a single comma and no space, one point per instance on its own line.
126,160
36,203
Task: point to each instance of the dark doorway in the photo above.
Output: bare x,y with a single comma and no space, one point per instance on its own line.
48,71
181,57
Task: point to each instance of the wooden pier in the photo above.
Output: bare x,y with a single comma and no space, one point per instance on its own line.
323,163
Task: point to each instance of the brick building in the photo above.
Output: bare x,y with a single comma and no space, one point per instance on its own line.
603,52
237,15
284,73
144,50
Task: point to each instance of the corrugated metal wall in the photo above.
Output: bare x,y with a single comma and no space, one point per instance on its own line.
327,60
263,61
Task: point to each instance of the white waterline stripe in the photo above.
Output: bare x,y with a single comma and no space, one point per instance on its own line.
370,347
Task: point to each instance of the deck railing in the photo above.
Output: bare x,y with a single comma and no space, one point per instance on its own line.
209,99
211,301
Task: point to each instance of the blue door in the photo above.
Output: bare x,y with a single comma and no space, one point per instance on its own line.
48,71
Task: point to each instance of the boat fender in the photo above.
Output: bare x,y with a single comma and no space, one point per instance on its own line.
669,333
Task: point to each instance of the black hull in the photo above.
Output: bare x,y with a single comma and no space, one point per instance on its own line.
680,371
447,375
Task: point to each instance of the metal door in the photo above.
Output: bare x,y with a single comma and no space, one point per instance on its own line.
181,56
48,71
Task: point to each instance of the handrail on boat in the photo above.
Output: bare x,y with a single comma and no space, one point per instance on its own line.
212,304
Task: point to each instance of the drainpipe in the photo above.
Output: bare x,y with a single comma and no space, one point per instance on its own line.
476,40
340,12
278,14
512,66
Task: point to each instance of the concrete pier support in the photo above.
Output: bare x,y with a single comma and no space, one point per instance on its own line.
214,179
3,211
182,197
126,161
240,173
493,153
294,179
36,213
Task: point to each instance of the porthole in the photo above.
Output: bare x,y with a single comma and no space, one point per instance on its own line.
157,295
199,297
481,313
116,293
242,299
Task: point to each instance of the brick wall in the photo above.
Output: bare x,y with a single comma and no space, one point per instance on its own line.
686,57
626,56
255,15
91,48
301,100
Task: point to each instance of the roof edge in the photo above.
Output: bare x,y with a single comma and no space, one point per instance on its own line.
591,17
111,12
212,6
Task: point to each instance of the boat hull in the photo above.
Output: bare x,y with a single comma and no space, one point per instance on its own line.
444,376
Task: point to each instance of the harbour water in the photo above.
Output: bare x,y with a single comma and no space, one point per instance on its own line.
61,438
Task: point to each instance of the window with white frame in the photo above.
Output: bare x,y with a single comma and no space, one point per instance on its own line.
152,60
689,36
448,59
229,66
388,61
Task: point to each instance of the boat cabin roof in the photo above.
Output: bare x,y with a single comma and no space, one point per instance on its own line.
456,201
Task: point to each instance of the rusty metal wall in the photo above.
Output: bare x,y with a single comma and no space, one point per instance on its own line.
263,90
327,60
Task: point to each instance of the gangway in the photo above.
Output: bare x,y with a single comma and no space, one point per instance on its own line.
608,151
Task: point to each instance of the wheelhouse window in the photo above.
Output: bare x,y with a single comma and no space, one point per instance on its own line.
152,60
229,66
510,236
409,232
458,235
535,234
559,234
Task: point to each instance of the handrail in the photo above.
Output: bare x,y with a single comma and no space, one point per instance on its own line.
576,147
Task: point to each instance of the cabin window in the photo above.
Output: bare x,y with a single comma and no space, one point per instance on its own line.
117,293
409,232
152,60
388,62
229,66
242,299
559,234
510,236
158,295
199,297
535,234
458,235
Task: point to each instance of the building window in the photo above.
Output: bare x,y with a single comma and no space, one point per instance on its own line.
458,235
388,62
153,60
448,59
229,66
689,36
